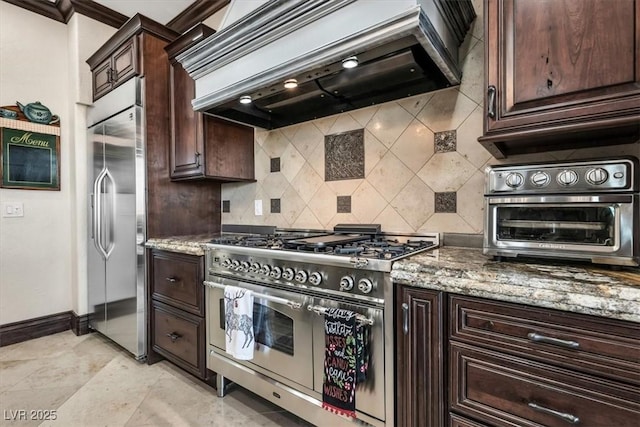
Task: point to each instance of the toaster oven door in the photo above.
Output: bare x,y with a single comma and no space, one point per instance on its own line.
565,226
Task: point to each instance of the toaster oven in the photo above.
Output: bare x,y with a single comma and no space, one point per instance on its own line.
584,210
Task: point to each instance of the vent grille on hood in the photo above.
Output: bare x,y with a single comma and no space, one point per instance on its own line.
404,48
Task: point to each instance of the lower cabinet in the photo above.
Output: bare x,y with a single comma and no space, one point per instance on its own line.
508,364
177,311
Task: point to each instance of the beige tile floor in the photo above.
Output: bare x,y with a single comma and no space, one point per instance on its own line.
89,381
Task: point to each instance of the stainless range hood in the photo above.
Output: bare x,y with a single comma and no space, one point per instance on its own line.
403,47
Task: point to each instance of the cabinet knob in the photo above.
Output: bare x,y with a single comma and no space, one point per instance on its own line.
491,101
171,280
197,159
174,336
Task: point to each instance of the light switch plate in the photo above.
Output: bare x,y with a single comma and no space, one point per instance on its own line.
12,210
258,207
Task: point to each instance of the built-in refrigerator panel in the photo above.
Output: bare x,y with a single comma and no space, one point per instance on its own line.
116,247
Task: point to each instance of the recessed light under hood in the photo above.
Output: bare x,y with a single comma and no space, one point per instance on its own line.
404,48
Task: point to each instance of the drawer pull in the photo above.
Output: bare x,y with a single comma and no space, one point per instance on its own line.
562,415
555,341
405,318
174,337
171,279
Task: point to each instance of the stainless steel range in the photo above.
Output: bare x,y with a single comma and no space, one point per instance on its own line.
295,277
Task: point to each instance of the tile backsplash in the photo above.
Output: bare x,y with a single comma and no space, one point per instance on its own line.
423,166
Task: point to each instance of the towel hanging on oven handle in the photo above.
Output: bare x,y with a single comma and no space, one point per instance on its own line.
320,310
292,304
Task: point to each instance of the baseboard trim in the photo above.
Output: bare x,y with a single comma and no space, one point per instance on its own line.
13,333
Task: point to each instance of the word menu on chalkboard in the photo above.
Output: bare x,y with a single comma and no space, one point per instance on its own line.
30,159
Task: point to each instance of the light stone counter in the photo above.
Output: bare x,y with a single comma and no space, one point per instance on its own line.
190,245
578,288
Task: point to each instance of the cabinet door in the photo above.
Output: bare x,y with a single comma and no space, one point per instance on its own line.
124,62
554,64
102,79
419,362
229,150
186,127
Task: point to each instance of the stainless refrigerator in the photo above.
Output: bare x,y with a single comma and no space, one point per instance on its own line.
117,217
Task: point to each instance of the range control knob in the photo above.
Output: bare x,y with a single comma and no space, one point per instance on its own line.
226,263
540,179
244,266
514,180
365,286
597,176
276,272
265,270
301,276
255,268
315,278
235,264
567,178
346,283
287,274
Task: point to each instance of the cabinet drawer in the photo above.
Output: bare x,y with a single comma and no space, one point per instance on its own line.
458,421
606,347
177,280
506,390
179,337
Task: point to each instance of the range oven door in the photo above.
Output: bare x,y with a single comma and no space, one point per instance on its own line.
283,335
569,226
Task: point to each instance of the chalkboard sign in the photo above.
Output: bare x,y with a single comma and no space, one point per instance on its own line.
30,160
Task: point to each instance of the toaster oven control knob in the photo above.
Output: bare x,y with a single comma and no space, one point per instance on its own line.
514,180
346,283
540,179
597,176
265,270
567,178
315,278
255,268
365,286
301,276
276,273
288,274
244,266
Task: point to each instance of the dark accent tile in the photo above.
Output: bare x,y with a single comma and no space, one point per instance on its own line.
445,141
275,205
275,164
445,202
344,204
226,206
344,155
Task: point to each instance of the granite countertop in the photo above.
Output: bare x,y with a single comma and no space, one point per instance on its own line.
580,288
190,245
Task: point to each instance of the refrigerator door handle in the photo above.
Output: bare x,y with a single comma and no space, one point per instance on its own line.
102,236
109,221
97,213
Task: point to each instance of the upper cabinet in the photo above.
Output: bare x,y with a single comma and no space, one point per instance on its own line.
203,147
561,74
121,58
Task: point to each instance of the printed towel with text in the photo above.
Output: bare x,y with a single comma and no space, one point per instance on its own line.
339,387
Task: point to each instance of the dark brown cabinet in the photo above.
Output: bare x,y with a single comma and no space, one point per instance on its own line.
471,362
203,147
177,310
419,361
137,50
561,74
518,365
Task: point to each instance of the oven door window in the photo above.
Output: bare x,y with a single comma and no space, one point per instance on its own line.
586,225
271,328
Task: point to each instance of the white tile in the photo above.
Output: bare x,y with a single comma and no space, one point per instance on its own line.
275,143
470,202
291,162
472,84
467,139
446,172
374,150
307,139
289,131
446,110
343,218
316,160
291,205
307,220
324,124
262,165
344,123
275,184
261,135
389,122
367,203
389,176
324,204
415,146
391,221
446,223
477,26
307,182
414,104
344,187
415,203
364,115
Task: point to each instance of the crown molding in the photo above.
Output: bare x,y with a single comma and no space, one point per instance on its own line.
196,13
62,10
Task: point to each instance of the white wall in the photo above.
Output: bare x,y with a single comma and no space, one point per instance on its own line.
41,267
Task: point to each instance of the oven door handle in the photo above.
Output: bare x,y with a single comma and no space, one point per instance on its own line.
292,304
320,310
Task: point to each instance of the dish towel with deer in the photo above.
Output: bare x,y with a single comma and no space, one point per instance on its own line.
346,360
238,315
